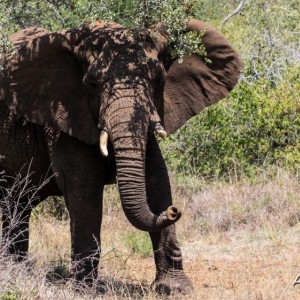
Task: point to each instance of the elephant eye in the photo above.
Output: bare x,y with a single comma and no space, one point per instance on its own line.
93,82
156,68
159,81
159,75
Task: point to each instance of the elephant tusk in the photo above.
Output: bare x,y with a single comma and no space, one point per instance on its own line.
160,130
103,143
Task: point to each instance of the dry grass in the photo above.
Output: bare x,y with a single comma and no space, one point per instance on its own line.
240,240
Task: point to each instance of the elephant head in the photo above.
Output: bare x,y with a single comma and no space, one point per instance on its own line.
105,78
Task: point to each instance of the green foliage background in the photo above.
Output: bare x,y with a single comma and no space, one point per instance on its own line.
258,125
254,128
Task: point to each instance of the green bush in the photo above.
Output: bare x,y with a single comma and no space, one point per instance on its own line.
135,14
138,242
52,207
256,126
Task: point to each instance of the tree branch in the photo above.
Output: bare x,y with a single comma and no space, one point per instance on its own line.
235,12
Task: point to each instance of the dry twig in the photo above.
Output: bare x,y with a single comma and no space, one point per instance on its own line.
235,12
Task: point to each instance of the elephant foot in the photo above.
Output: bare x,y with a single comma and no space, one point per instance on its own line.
172,283
85,269
19,258
85,280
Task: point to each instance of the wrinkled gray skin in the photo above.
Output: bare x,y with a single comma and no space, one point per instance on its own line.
60,90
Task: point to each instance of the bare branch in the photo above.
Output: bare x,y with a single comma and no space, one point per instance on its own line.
146,5
235,12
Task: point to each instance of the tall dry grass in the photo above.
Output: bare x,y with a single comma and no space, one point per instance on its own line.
266,202
240,240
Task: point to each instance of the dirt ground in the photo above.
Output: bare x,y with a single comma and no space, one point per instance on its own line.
234,265
255,260
244,273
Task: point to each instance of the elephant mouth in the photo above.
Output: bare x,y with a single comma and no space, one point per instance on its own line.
103,139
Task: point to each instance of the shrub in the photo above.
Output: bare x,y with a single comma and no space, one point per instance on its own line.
52,207
135,14
256,126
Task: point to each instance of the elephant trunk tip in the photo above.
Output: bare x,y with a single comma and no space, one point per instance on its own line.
173,213
166,218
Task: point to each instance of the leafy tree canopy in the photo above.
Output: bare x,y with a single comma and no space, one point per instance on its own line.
136,14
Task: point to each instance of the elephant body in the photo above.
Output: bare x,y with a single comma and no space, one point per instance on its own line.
21,141
60,93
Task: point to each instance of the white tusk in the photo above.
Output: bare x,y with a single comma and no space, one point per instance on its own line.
103,143
160,131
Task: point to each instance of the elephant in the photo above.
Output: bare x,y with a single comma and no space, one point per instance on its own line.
85,106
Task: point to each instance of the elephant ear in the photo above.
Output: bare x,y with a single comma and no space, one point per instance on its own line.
195,84
44,83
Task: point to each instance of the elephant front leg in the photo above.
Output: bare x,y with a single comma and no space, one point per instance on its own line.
167,254
85,237
168,259
81,179
85,209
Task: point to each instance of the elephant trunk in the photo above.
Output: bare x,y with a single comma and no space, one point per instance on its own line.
128,126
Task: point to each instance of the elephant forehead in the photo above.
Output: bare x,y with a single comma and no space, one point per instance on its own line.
123,42
115,62
110,44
